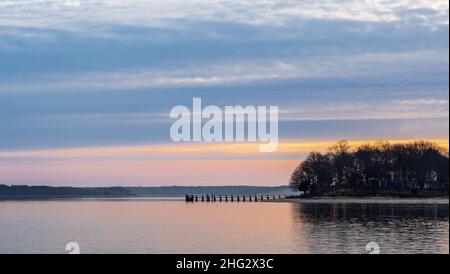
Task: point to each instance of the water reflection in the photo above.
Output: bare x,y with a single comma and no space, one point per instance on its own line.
397,228
168,226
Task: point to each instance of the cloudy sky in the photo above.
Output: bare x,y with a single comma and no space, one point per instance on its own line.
86,87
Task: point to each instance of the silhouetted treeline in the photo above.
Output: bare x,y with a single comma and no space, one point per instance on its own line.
375,168
44,191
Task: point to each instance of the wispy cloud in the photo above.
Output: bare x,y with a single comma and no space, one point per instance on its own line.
371,65
58,14
384,110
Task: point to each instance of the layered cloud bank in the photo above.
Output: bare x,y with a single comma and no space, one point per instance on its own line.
77,74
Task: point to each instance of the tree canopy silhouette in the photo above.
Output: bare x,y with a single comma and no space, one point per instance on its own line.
376,167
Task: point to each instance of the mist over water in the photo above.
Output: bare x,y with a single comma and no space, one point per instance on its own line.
173,226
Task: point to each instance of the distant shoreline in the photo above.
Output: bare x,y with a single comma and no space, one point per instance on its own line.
22,192
70,192
318,200
58,197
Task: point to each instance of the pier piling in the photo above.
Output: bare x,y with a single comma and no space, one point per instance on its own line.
232,198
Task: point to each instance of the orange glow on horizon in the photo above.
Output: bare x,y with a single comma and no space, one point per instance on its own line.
177,164
195,149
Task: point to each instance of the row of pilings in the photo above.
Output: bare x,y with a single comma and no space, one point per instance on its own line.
231,198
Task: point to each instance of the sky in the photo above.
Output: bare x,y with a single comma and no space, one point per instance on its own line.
86,87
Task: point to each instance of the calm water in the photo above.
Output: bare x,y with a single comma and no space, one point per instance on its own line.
168,226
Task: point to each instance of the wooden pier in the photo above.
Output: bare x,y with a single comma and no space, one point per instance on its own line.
211,198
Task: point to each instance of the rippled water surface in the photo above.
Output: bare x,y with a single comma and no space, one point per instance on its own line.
173,226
